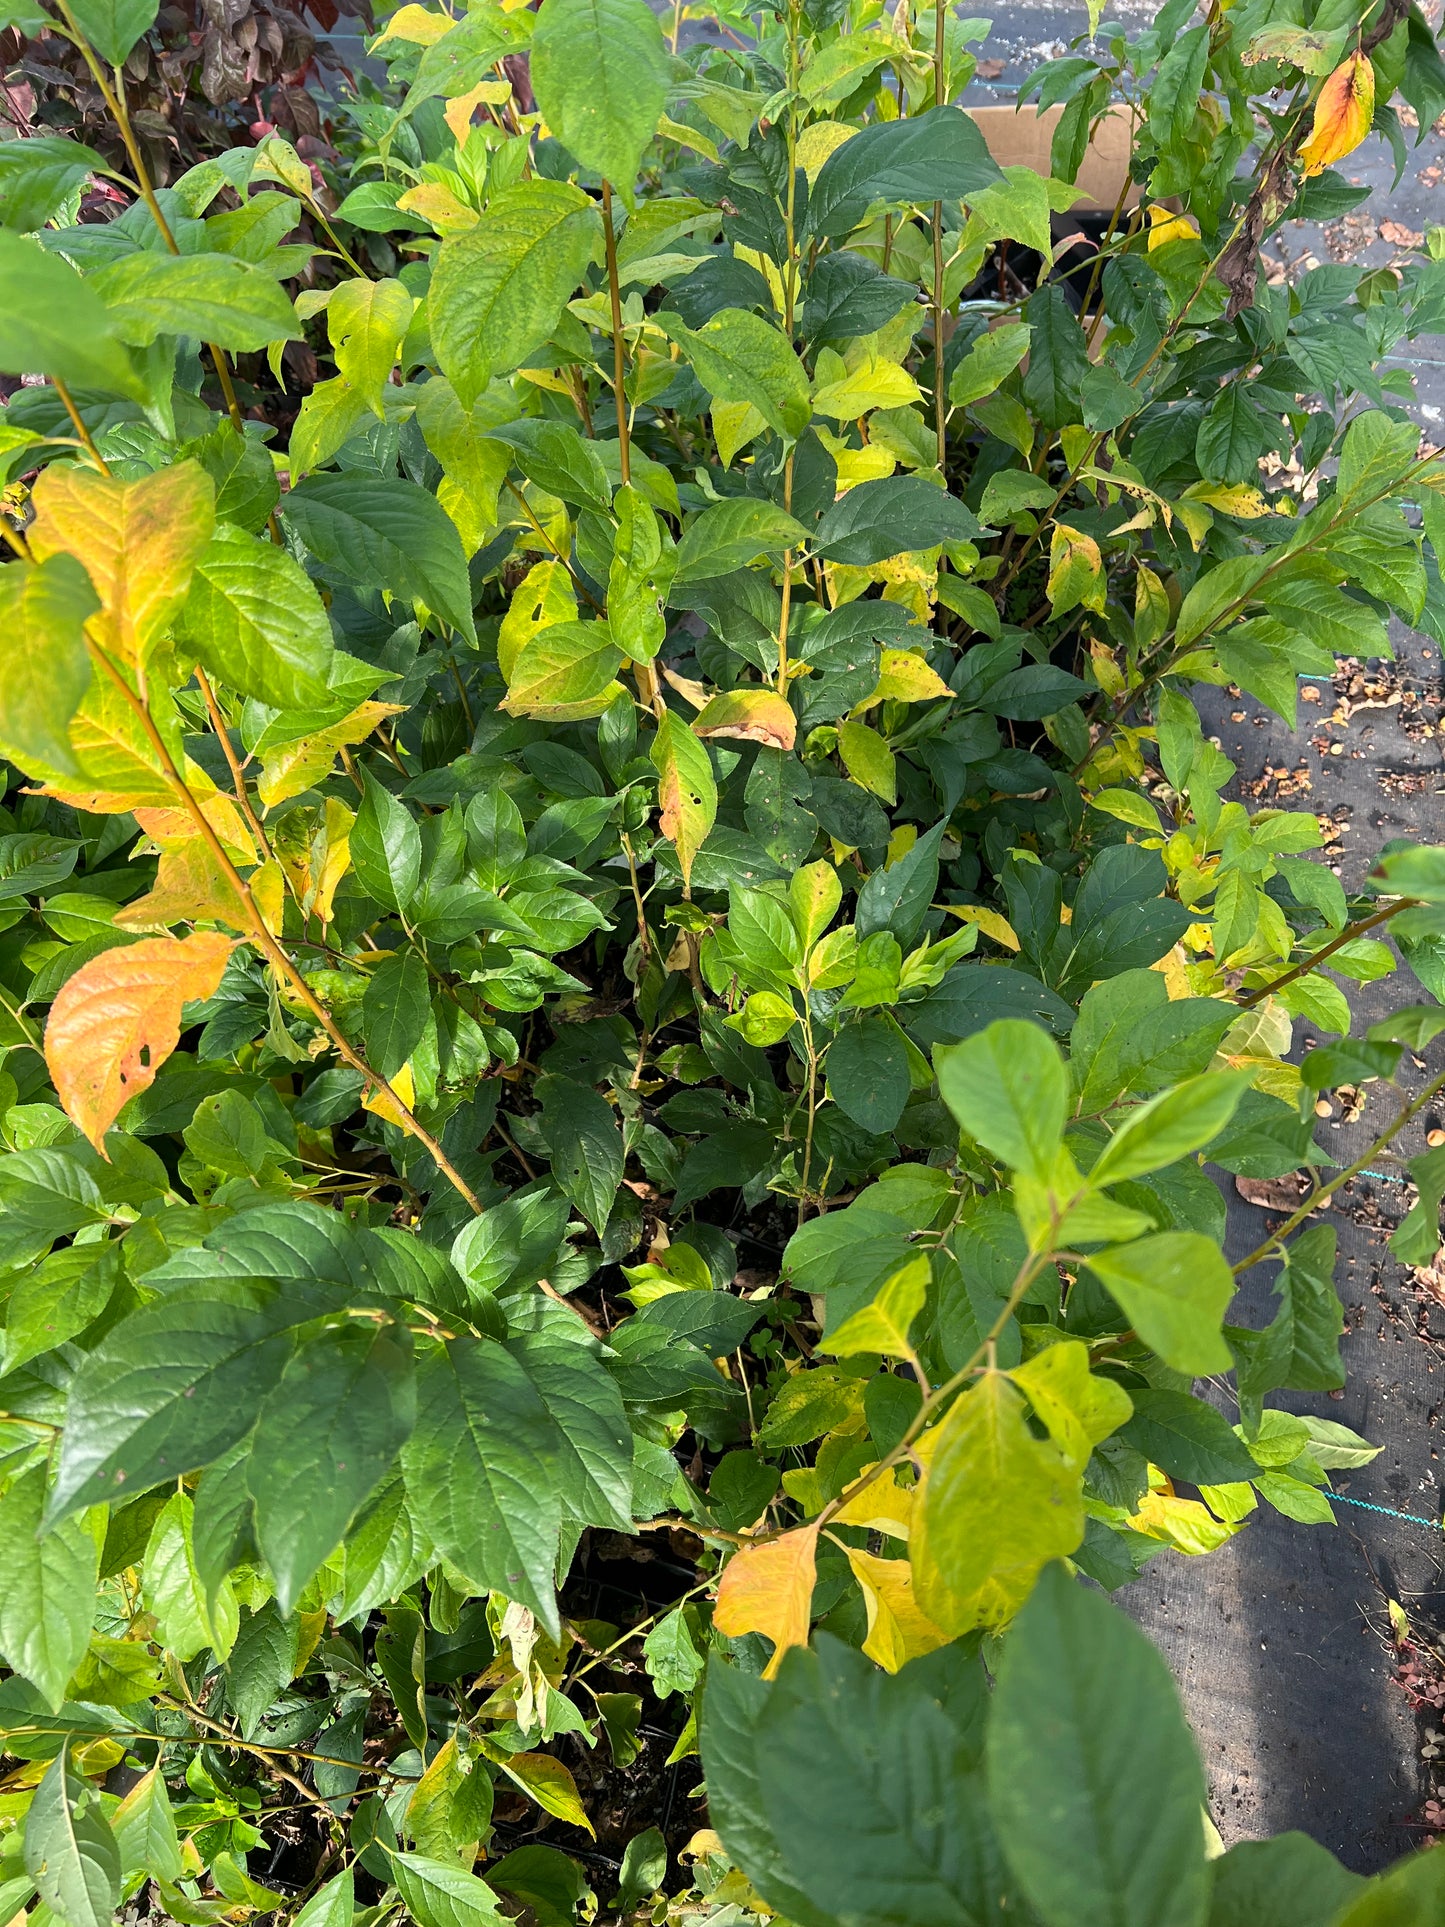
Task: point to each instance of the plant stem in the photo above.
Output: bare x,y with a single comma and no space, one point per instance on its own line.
1347,935
87,440
939,16
270,948
619,363
238,776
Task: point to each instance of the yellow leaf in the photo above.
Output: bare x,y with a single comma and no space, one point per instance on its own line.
898,1628
548,1782
117,1020
990,922
313,848
543,597
768,1589
418,26
138,541
868,760
173,827
1238,499
190,887
1165,226
904,677
686,790
884,1506
1185,1524
734,425
754,715
1344,112
268,893
295,767
818,141
883,1326
458,112
870,463
403,1084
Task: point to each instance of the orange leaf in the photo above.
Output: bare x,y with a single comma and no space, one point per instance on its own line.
190,887
769,1589
139,543
118,1019
1344,111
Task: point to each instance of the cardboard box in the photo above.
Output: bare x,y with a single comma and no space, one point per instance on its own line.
1020,137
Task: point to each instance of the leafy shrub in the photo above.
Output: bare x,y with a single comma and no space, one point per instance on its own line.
697,765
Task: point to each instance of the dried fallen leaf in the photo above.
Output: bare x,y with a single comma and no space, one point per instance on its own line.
1400,236
768,1589
117,1020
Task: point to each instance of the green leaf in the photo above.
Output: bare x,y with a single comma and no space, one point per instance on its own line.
1174,1288
498,289
256,623
333,1905
385,846
1008,1088
731,534
47,1589
674,1664
1410,1894
868,1074
37,174
587,1156
481,1473
144,1825
439,1893
554,456
1171,1125
70,1851
988,364
58,1299
43,610
190,1617
1094,1782
395,1010
171,1387
1289,1881
877,520
998,1505
238,306
1187,1438
593,1438
936,156
600,75
644,1868
545,1879
387,533
51,323
114,26
341,1411
1058,357
739,357
260,1666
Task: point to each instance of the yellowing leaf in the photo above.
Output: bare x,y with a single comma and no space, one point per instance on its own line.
170,828
846,394
755,715
1185,1524
686,791
313,847
458,112
998,1505
904,677
297,766
819,140
768,1589
734,425
1077,1408
1076,571
139,543
868,760
898,1628
883,1326
117,1020
565,672
418,26
543,597
190,887
437,204
268,893
548,1782
1238,499
1344,112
